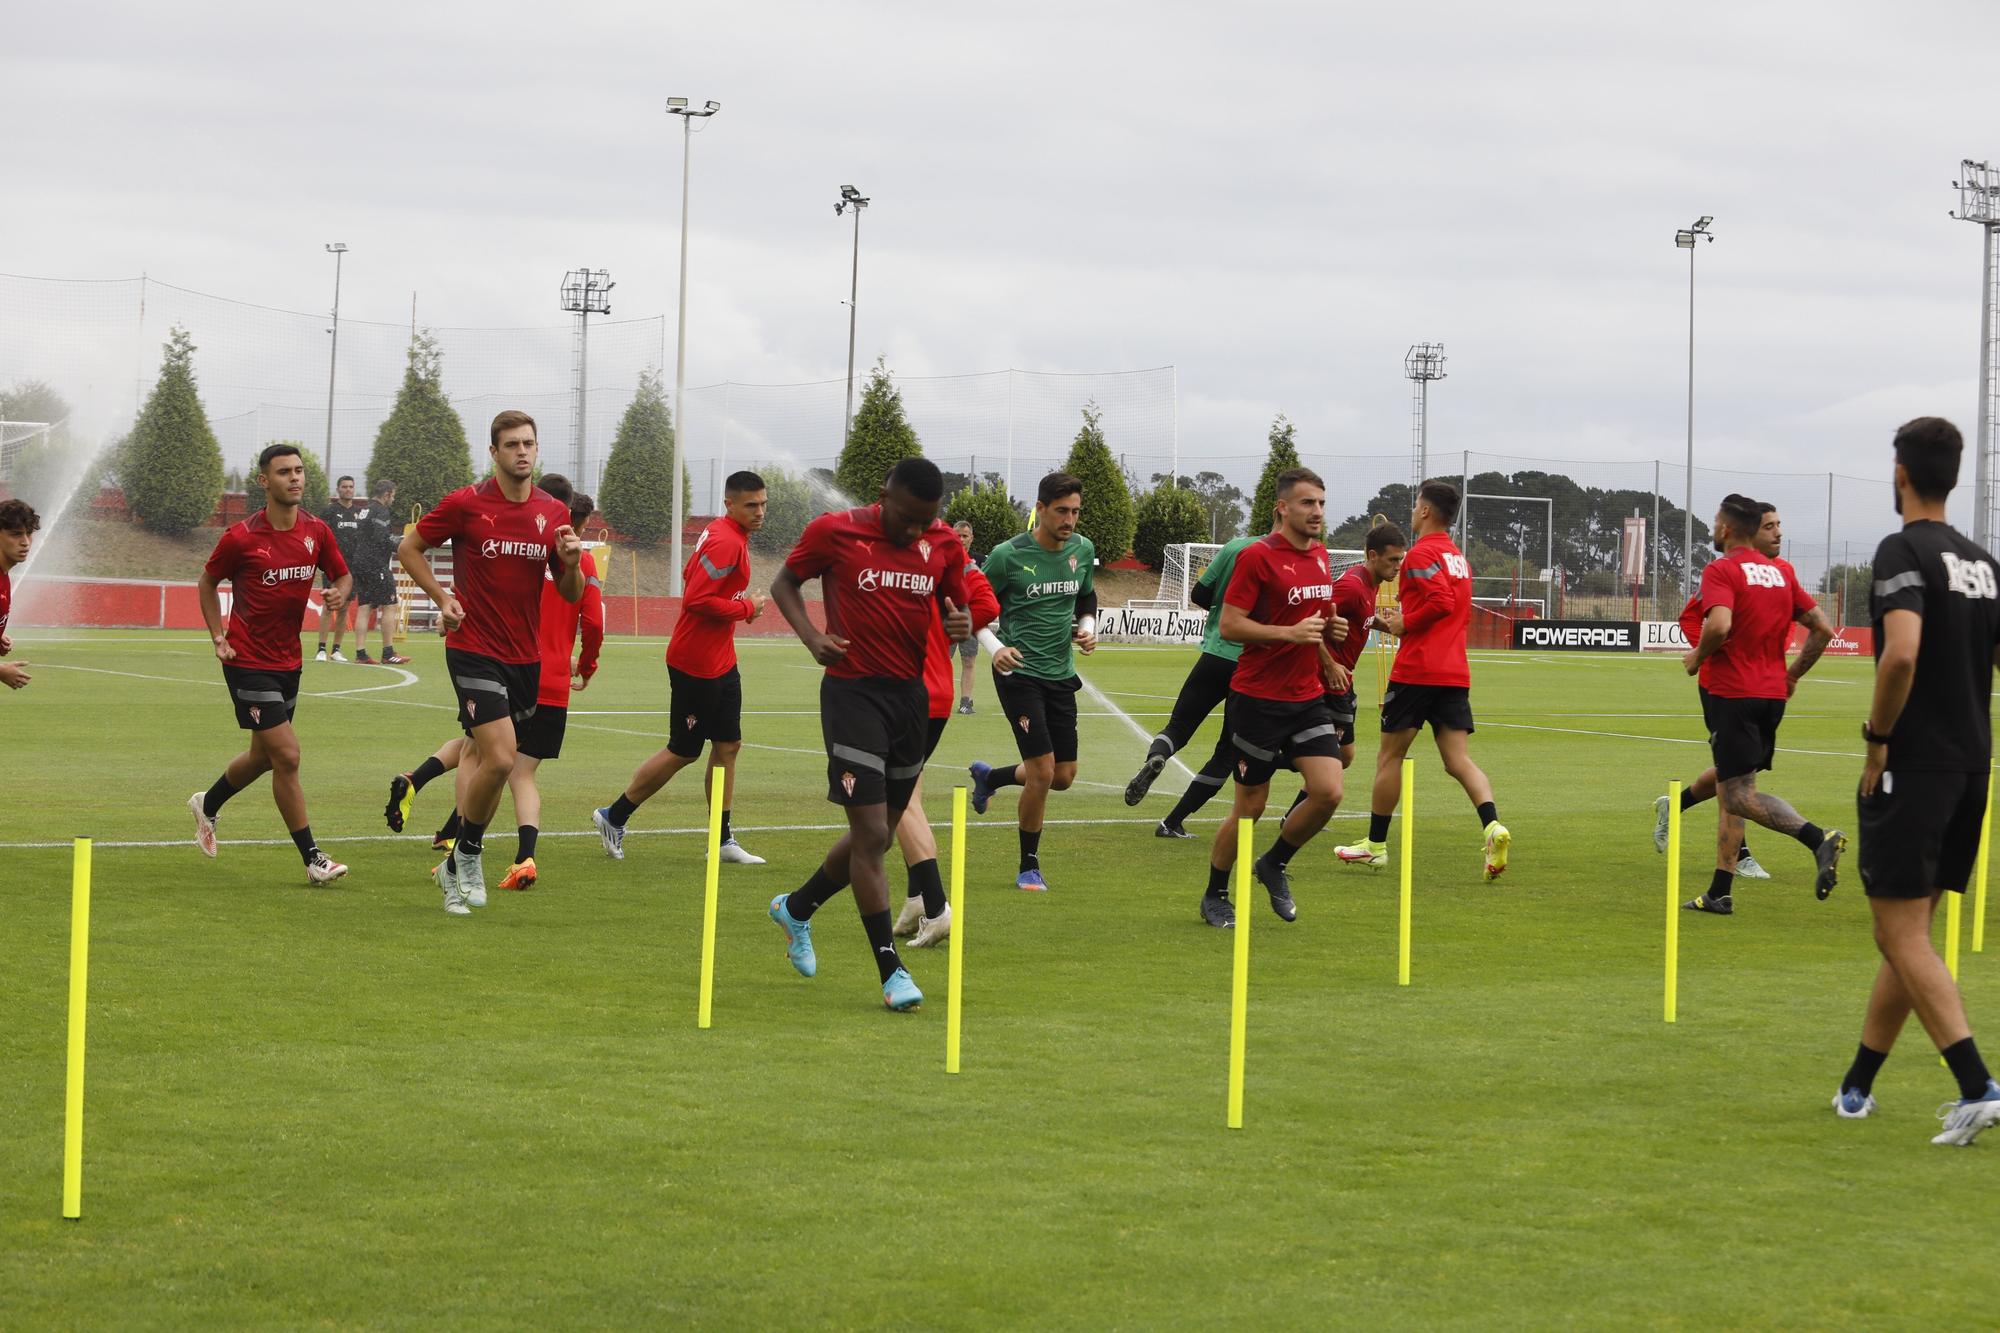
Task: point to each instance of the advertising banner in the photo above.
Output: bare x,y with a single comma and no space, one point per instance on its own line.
1577,636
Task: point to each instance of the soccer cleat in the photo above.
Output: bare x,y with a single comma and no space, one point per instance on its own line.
1721,905
1964,1119
402,791
798,938
965,707
323,869
520,875
447,879
471,878
1218,912
1279,885
1828,859
320,656
900,993
394,659
204,827
732,853
1747,868
1661,818
1142,781
336,656
933,931
362,658
910,917
1498,840
981,792
612,834
1166,830
1853,1104
1031,881
440,843
1374,855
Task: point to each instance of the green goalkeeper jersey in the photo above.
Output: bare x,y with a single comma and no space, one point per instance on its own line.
1216,579
1038,589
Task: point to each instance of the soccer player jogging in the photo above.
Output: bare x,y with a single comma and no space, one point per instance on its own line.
969,650
705,688
269,560
506,534
1279,605
1048,609
1431,680
886,572
348,518
18,524
1935,609
926,917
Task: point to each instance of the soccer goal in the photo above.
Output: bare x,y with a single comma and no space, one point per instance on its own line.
1186,561
16,437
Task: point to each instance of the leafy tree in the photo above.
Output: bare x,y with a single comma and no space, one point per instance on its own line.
1851,582
1107,496
1168,514
1284,453
954,482
994,517
422,446
317,490
880,439
1220,501
789,509
172,471
637,493
1394,502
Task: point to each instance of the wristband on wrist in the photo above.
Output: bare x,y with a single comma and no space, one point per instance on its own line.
1088,625
1872,736
989,640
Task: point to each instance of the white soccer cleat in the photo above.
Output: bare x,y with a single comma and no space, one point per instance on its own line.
910,918
612,835
1747,868
323,869
732,853
1964,1119
1374,855
337,657
447,879
1662,822
933,931
204,827
472,878
320,656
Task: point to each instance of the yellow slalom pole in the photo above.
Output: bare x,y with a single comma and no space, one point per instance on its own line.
955,943
1239,989
708,900
79,986
1979,883
1409,838
1673,898
1952,908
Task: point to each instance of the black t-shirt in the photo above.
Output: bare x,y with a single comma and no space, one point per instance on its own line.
349,526
1931,569
383,532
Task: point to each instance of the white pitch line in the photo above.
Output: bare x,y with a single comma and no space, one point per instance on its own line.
1129,721
1663,740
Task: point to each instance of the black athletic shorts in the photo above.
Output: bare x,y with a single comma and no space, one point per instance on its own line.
1270,735
375,589
933,733
703,708
541,736
1446,707
875,731
1205,689
1042,714
1346,710
1742,733
489,689
1920,833
263,699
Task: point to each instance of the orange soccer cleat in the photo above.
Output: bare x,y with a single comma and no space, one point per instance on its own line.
520,875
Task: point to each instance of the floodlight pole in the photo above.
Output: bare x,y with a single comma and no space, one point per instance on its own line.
678,106
1423,363
1685,239
1979,201
851,198
338,249
585,292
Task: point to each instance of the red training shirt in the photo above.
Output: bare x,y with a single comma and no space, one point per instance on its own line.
1278,584
715,600
1353,601
561,619
985,608
1764,597
1435,598
500,549
6,598
880,597
271,575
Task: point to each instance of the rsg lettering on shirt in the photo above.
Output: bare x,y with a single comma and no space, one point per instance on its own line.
1969,578
1456,563
869,580
273,577
1764,576
494,547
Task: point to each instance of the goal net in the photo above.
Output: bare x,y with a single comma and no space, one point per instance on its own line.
1186,561
16,437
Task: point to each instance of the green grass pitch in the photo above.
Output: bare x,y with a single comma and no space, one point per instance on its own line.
343,1107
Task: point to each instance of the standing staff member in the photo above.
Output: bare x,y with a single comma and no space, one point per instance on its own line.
969,650
347,518
375,576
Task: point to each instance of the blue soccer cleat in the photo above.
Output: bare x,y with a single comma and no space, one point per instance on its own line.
982,790
1853,1104
1965,1118
900,993
1031,881
798,937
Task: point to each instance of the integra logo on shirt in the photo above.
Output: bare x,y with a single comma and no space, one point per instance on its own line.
1312,592
288,574
493,547
870,580
1969,578
1054,588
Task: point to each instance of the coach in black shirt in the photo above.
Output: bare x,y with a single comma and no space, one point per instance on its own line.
348,518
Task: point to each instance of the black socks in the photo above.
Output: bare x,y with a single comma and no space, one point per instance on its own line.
1861,1074
211,804
471,838
621,810
1218,882
1031,849
810,896
1966,1066
303,840
428,771
526,847
1378,827
1161,748
926,883
1720,883
1688,799
1003,775
883,941
1811,835
450,829
1487,813
726,836
1281,853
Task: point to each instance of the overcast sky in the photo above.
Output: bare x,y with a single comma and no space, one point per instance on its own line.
1277,199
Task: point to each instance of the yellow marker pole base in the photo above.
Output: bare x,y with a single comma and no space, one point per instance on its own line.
708,900
1239,988
1673,899
1403,906
79,987
955,942
1979,884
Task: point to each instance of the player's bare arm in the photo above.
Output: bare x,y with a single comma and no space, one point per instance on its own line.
411,554
1819,633
788,593
1714,629
1895,670
957,622
338,592
211,615
569,550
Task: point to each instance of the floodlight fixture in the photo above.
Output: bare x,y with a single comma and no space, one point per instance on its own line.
1423,363
676,103
851,198
1978,189
678,106
1685,239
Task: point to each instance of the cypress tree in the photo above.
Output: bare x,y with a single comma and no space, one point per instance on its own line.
422,447
172,470
1284,454
637,494
1107,497
880,439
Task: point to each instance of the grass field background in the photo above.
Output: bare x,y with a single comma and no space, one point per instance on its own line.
341,1106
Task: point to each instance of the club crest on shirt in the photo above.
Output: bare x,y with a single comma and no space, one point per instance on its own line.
1022,722
1072,564
310,543
924,548
541,522
847,783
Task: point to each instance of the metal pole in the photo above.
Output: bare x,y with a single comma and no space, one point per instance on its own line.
1465,495
1845,570
582,378
853,295
1656,537
333,359
1982,518
1829,522
1174,469
1010,433
680,371
1424,432
1687,496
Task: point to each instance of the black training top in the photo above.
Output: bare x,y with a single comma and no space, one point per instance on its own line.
1933,570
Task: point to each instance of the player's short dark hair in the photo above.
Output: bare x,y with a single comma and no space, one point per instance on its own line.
509,419
557,485
1056,485
1383,536
383,486
1443,498
742,483
338,480
1293,476
1741,513
918,477
581,507
279,450
1929,450
1765,507
19,516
